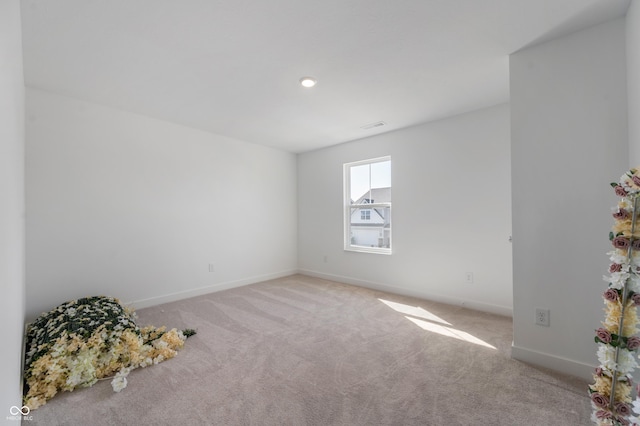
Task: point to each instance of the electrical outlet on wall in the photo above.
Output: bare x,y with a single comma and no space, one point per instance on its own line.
542,317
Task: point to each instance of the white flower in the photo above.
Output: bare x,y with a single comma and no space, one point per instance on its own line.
147,361
616,257
74,379
31,352
607,356
617,279
627,183
160,344
626,361
119,382
634,283
71,312
613,284
57,351
635,406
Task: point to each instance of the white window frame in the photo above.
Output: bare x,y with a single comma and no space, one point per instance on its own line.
348,246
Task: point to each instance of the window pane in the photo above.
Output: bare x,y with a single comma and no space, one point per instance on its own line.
359,181
365,177
370,227
368,206
381,174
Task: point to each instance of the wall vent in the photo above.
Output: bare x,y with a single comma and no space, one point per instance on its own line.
373,125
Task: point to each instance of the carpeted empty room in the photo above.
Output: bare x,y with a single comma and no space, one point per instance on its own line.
306,351
344,212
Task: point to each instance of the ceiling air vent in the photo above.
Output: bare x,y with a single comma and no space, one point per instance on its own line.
373,125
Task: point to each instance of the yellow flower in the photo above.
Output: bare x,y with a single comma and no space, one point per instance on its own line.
624,227
75,344
173,339
50,390
35,402
41,365
603,386
612,318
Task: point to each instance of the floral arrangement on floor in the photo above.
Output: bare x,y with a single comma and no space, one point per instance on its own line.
85,340
611,393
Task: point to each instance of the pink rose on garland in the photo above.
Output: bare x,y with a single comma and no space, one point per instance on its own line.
603,415
621,214
620,192
636,180
615,267
633,343
611,295
622,408
604,335
622,421
599,400
621,242
636,299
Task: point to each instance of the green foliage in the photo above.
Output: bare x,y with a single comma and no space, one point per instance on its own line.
188,332
81,317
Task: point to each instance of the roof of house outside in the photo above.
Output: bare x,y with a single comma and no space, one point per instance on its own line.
377,195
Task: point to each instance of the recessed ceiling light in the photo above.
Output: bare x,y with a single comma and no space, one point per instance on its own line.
308,81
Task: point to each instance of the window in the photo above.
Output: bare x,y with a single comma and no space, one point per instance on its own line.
367,200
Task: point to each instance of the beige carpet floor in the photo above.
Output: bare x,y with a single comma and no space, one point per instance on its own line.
305,351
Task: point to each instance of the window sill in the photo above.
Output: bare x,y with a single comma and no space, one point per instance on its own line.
372,250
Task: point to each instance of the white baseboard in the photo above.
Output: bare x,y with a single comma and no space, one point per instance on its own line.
172,297
471,304
553,362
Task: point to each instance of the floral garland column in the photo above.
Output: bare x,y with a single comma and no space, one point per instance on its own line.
611,393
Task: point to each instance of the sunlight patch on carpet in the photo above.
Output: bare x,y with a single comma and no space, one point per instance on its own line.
418,316
414,311
449,332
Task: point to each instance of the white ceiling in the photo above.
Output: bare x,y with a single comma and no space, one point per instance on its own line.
231,67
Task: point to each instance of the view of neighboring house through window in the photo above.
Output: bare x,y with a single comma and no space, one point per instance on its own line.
367,187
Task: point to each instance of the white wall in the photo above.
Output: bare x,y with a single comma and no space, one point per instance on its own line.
137,208
633,81
569,141
12,307
451,212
